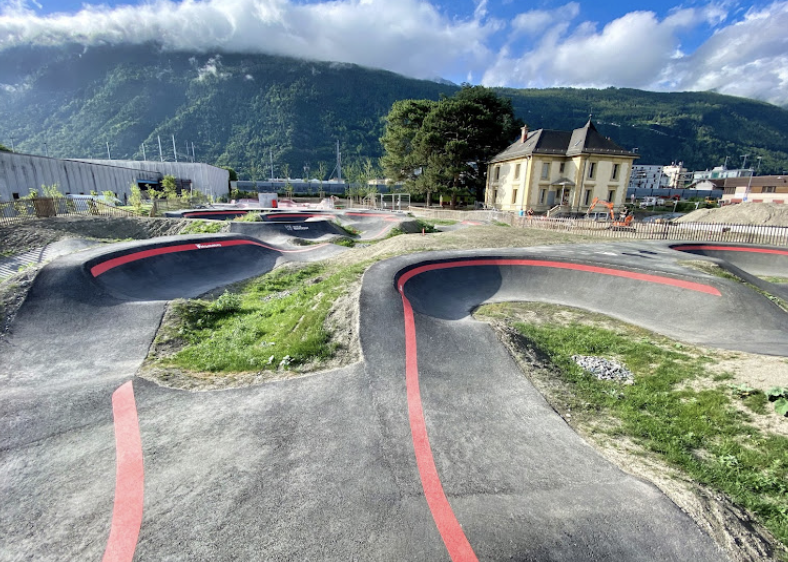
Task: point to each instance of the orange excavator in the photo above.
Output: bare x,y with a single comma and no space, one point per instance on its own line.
624,222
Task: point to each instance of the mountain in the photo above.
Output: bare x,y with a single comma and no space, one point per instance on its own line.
240,110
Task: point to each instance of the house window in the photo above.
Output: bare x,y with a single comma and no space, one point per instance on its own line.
611,195
562,167
587,198
768,189
495,195
517,171
615,172
542,196
591,170
546,170
514,196
497,173
15,196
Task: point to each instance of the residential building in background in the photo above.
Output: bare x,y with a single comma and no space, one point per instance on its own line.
547,169
755,189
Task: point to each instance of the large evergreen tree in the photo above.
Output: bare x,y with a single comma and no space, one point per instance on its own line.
444,146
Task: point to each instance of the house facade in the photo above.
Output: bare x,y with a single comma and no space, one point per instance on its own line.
755,189
546,169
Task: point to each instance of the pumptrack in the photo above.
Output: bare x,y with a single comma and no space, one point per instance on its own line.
435,447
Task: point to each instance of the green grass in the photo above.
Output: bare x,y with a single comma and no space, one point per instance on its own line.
499,223
444,222
248,217
775,280
702,432
347,242
428,226
202,227
274,320
349,230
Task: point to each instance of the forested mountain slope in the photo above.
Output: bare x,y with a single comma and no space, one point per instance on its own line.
239,109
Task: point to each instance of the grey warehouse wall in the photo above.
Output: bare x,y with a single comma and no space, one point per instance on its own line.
19,173
205,178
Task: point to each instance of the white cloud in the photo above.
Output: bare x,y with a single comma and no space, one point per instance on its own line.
747,54
747,58
538,22
408,36
212,68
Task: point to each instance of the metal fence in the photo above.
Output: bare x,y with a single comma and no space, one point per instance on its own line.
13,212
746,234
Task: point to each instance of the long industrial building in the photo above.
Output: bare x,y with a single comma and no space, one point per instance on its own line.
21,173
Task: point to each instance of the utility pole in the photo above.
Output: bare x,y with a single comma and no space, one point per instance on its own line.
144,158
339,162
193,158
271,159
749,182
174,151
12,145
744,161
46,149
109,154
161,154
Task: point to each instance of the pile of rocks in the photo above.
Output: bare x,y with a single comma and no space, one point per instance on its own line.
604,369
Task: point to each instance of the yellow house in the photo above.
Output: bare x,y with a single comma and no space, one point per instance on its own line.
545,169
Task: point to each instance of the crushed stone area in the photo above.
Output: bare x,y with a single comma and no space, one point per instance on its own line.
604,369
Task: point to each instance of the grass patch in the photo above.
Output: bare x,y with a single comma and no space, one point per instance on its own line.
697,428
349,230
347,242
443,222
202,227
274,321
499,223
775,280
428,227
248,217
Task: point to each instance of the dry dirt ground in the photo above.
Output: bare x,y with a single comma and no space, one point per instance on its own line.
733,528
757,214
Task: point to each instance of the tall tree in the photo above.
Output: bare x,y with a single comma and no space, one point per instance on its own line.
444,146
403,159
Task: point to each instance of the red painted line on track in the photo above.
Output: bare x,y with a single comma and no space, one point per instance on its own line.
729,249
658,279
271,216
129,479
208,213
451,532
105,266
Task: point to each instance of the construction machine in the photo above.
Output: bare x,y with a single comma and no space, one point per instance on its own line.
624,222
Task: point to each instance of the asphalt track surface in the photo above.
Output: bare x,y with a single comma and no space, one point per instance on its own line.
434,448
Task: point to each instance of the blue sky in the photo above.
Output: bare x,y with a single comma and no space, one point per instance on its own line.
734,47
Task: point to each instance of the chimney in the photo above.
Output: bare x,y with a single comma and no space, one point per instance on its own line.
524,133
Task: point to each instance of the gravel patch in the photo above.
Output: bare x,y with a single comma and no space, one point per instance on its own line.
604,369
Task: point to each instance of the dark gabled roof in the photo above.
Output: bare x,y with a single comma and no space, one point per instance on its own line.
586,140
590,141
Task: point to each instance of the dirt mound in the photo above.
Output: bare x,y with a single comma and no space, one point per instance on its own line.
20,237
760,214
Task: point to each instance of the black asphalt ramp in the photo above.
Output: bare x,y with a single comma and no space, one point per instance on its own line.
325,467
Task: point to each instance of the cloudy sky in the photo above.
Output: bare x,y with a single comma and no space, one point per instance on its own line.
738,48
